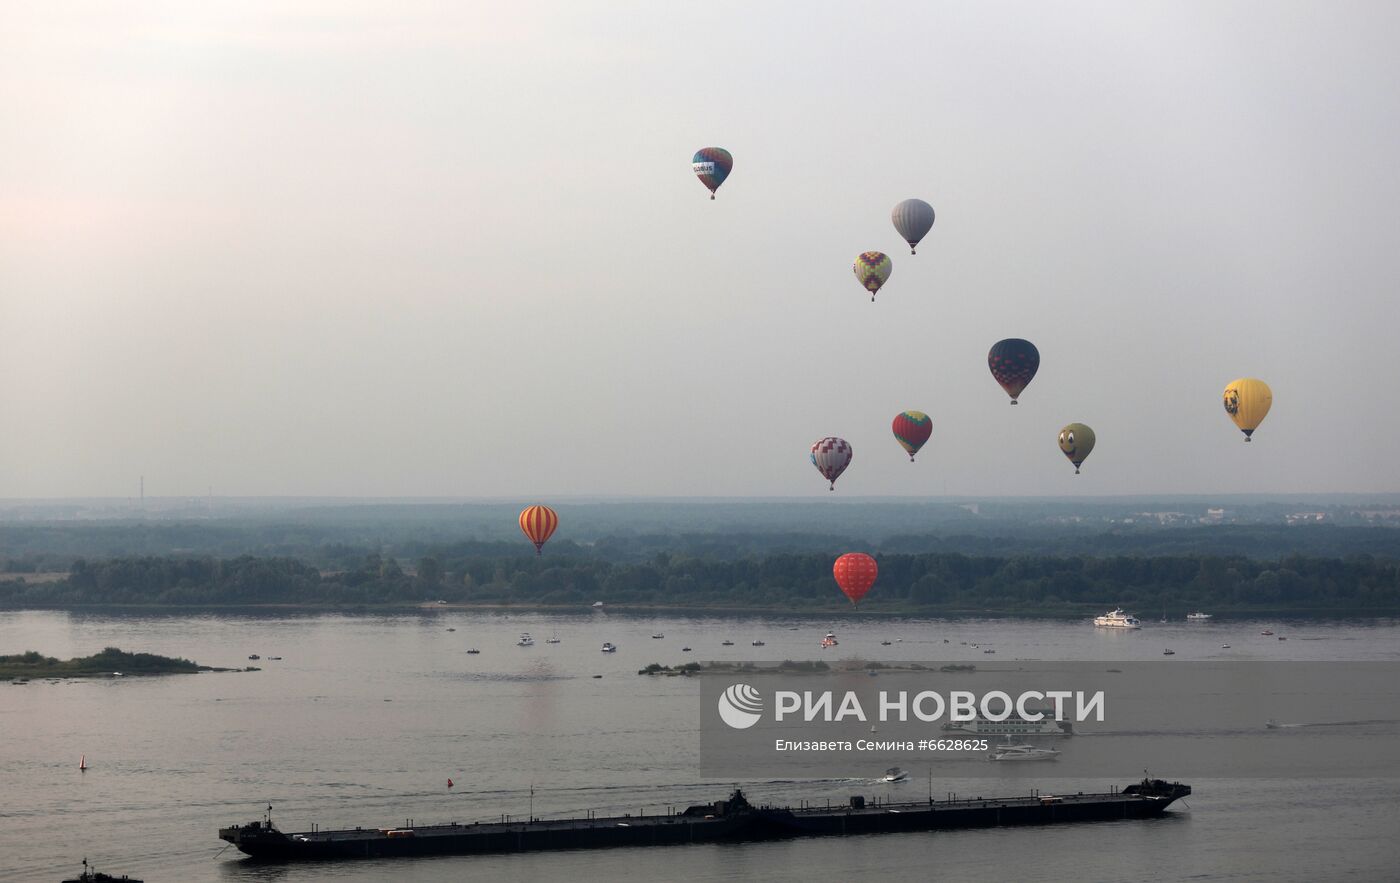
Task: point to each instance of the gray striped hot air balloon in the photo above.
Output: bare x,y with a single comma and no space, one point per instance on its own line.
913,218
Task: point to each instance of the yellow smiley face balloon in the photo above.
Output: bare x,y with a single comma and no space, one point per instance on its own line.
1077,442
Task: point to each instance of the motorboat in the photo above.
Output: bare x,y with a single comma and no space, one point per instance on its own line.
989,650
1022,752
1224,646
1267,632
885,643
1169,652
1117,619
758,643
472,651
726,643
452,630
552,639
894,774
609,647
658,636
525,640
1198,616
597,604
254,656
685,649
830,640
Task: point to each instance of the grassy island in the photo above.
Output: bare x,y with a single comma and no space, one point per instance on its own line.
110,661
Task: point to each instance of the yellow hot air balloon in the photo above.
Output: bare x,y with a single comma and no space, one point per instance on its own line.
1076,441
1247,401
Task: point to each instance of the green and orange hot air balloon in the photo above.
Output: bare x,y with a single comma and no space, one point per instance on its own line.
538,524
872,269
911,430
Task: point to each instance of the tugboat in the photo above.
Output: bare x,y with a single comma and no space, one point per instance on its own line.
90,876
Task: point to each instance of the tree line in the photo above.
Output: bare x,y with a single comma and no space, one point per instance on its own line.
927,582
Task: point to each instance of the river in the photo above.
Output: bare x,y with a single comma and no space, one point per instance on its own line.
365,717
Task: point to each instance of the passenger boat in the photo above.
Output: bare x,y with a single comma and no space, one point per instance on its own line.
1015,725
1117,619
1022,753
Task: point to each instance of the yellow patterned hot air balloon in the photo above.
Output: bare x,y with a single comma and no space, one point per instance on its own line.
872,269
1076,441
1247,401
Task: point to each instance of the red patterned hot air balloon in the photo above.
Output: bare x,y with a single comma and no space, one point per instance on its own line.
911,430
538,523
831,456
1013,362
855,573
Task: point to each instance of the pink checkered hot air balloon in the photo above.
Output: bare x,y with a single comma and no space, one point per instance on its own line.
831,456
872,269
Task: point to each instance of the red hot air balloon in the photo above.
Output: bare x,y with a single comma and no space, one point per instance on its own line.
1013,362
538,523
911,430
831,456
855,573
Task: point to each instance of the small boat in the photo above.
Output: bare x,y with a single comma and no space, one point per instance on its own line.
254,656
1022,752
758,643
894,774
1224,646
597,604
91,876
1198,616
830,640
658,636
525,640
685,649
1272,724
726,643
1282,638
275,658
472,651
989,650
885,643
452,630
1266,632
1169,652
82,763
552,639
609,647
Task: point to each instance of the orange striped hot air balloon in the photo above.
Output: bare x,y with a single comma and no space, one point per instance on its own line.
538,523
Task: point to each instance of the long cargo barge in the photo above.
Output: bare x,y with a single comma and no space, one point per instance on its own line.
734,819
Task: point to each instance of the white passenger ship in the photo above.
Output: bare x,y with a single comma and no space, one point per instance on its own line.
1117,619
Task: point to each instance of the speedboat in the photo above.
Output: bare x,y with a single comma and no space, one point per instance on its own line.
1198,616
658,636
609,647
597,604
894,774
525,640
1022,752
830,640
1267,632
1117,619
1224,646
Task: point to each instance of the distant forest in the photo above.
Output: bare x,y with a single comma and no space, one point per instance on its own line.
908,583
1062,556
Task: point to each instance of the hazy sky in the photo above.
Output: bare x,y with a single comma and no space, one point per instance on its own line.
413,249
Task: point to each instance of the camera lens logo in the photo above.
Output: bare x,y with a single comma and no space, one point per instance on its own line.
740,706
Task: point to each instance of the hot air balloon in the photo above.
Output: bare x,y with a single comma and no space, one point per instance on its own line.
855,573
911,430
712,166
1077,441
872,269
913,218
1013,362
538,523
831,456
1247,401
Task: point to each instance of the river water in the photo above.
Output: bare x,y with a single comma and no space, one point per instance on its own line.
365,718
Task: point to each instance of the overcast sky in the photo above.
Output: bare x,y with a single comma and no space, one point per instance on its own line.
416,249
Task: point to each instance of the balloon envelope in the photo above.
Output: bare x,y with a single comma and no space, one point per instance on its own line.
831,456
911,430
855,573
913,218
1013,363
872,269
538,524
712,165
1247,401
1077,442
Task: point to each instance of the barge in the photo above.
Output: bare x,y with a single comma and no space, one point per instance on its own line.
733,819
